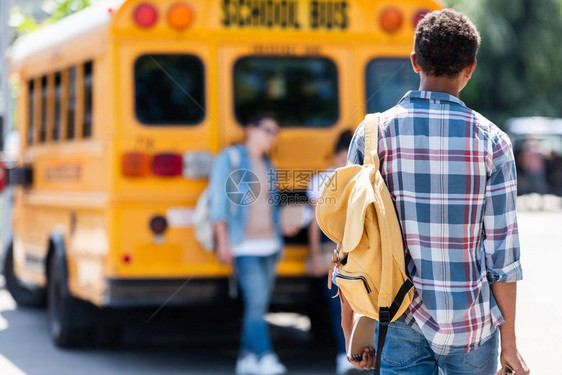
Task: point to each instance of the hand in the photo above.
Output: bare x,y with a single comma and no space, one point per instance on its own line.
291,231
368,361
317,266
510,356
224,255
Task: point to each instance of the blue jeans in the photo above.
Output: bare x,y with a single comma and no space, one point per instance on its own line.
256,276
408,352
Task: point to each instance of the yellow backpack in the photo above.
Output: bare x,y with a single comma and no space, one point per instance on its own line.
356,211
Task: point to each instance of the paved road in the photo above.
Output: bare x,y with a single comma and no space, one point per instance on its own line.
25,347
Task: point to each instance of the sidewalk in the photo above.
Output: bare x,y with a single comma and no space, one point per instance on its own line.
539,307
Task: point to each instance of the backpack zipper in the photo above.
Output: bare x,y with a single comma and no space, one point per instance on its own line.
355,278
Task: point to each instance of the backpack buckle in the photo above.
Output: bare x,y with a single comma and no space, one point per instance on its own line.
384,316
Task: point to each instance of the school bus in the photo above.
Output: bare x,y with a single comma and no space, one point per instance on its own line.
122,107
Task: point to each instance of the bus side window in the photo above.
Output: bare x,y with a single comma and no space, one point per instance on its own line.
30,112
88,82
43,126
58,97
71,120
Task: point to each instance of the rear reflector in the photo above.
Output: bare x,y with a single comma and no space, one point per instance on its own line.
167,165
135,164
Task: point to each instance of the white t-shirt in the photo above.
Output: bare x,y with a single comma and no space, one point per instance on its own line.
261,247
315,187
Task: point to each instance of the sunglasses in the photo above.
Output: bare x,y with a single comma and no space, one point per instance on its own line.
270,131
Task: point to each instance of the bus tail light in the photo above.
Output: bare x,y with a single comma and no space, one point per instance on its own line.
2,176
197,164
391,20
167,165
419,16
180,16
145,15
135,164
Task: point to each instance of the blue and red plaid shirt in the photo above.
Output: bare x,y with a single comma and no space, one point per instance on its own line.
451,174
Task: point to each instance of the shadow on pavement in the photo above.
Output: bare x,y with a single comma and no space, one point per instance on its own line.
176,341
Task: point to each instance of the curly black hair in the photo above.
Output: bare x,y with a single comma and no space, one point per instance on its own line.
446,42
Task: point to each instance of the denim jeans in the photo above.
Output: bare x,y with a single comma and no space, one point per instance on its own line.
408,352
256,276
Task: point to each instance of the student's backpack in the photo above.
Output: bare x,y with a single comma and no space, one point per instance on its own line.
356,211
202,225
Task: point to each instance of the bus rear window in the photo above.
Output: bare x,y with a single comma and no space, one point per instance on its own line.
298,91
169,90
387,82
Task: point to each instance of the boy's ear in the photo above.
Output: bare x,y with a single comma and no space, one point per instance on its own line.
414,61
470,69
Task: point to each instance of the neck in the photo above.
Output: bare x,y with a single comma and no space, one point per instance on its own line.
254,152
440,84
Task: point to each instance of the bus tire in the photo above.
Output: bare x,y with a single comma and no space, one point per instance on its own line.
24,297
71,320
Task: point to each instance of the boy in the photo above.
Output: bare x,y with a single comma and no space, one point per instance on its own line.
248,236
451,174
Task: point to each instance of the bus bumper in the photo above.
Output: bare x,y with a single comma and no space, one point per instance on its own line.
290,294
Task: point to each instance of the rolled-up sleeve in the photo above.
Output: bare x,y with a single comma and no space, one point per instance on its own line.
501,236
218,200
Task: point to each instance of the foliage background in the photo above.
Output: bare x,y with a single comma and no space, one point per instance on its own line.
519,63
55,9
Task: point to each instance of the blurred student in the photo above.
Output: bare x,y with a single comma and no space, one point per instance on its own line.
532,161
248,236
322,248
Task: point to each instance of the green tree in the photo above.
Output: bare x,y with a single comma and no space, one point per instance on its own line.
519,62
56,9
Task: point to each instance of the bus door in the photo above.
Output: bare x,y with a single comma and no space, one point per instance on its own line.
306,86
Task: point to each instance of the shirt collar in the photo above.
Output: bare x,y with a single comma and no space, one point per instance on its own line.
432,95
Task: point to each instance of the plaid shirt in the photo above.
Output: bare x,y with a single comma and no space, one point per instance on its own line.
451,174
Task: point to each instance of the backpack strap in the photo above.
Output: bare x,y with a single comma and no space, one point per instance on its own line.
386,315
371,128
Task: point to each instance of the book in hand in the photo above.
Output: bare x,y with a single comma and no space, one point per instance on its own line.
505,370
362,336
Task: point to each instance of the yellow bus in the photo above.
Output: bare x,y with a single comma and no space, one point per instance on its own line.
122,107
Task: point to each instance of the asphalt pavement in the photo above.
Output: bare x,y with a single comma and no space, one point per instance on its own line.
182,346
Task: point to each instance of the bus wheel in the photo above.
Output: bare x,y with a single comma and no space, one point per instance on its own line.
23,296
71,321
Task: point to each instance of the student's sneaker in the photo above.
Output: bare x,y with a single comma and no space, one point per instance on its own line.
343,367
248,365
269,365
